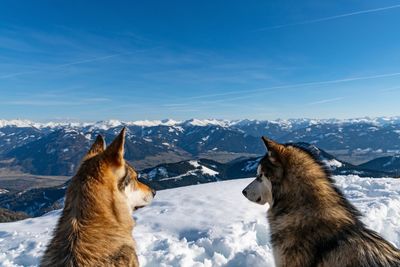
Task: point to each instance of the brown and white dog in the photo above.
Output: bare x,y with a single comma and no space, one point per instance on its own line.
311,222
95,227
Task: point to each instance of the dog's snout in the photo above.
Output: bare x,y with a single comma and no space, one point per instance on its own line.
244,192
153,192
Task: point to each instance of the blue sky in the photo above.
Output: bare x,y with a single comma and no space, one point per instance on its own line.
130,60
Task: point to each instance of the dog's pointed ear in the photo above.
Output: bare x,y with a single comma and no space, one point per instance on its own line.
270,144
98,147
115,151
274,150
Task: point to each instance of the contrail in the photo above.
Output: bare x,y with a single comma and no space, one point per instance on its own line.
329,18
60,66
325,101
5,76
87,60
359,78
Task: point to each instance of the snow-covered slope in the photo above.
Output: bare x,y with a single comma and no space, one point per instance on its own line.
208,225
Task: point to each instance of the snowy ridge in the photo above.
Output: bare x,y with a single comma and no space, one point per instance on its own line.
208,225
199,169
3,191
16,123
204,170
285,123
207,122
332,164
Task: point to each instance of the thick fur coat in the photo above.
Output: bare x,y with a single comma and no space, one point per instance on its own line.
311,222
95,227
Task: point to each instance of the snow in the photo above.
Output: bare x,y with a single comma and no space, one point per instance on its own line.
208,225
105,125
207,122
205,138
284,123
198,168
251,165
160,170
148,123
3,191
208,171
194,163
203,169
16,123
332,164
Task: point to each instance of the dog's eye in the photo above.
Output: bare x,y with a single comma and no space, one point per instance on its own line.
259,178
125,181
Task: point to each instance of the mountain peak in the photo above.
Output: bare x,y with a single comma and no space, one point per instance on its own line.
112,123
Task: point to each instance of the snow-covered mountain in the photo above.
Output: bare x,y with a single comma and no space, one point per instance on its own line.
55,148
283,123
208,225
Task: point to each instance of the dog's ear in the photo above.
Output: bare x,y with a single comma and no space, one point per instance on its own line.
97,147
115,151
275,150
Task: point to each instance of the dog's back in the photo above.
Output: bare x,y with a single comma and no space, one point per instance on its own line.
357,247
320,244
88,238
95,227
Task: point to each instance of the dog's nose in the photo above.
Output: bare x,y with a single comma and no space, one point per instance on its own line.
153,192
244,193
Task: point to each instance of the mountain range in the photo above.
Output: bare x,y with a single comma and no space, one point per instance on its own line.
56,148
35,202
172,153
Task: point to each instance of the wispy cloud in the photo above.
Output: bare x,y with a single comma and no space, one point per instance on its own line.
176,105
329,18
10,75
78,62
296,85
54,102
61,49
391,89
323,101
89,60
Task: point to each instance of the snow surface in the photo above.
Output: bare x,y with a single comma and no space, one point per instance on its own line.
208,225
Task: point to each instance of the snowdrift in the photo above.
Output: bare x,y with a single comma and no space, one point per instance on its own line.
208,225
